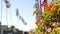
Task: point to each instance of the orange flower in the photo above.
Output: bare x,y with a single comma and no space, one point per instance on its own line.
42,25
49,7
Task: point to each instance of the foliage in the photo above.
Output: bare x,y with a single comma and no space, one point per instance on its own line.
49,19
12,27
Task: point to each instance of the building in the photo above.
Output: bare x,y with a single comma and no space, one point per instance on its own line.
4,28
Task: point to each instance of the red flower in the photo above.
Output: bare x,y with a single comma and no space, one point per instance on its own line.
30,30
37,22
43,3
38,16
54,24
49,30
52,0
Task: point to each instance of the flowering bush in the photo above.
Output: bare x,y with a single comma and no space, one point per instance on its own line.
50,19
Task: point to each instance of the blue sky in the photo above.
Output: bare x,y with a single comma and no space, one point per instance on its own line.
26,8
